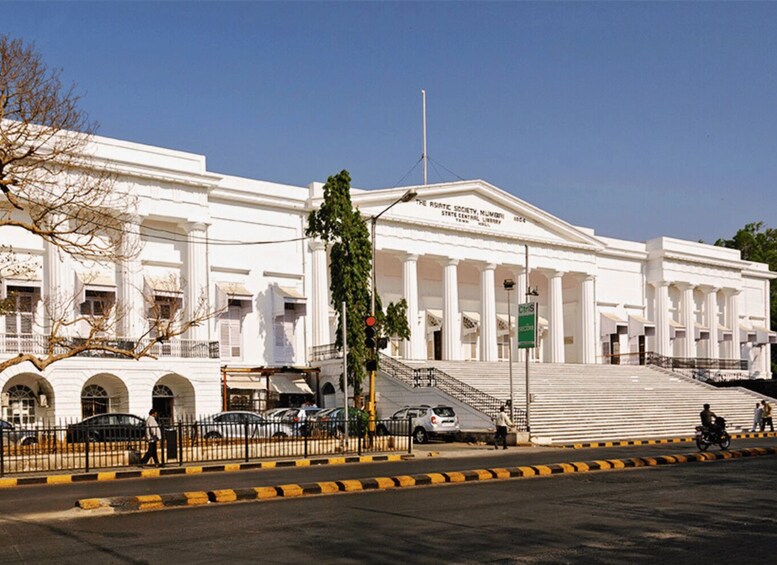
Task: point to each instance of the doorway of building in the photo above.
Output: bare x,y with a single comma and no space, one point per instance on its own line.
615,349
437,337
162,400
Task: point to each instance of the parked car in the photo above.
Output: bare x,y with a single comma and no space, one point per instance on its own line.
107,427
18,436
300,418
275,414
232,424
426,422
332,421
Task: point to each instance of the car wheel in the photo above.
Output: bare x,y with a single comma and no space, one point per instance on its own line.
449,438
280,435
29,441
213,435
420,435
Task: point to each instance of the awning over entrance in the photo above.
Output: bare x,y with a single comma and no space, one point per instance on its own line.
470,322
287,298
676,330
701,332
247,382
502,326
746,335
613,324
433,320
764,335
169,287
93,281
289,384
724,333
237,292
641,326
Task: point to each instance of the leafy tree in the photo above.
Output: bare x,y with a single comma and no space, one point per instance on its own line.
51,187
341,225
759,244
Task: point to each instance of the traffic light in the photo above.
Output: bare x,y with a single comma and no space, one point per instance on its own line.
370,340
371,364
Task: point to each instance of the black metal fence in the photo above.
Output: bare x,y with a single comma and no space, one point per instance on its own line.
86,448
651,358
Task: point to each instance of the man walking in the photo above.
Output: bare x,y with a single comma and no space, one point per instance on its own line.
758,414
153,435
502,421
766,416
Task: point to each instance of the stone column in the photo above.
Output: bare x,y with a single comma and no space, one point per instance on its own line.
556,315
588,320
58,292
732,320
663,342
320,293
451,333
689,319
488,343
196,278
415,347
129,283
711,315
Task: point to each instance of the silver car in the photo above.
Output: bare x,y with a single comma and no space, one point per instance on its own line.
426,422
233,424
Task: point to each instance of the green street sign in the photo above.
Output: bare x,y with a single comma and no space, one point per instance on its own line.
527,325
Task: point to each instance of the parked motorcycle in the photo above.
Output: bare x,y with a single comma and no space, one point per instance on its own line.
706,436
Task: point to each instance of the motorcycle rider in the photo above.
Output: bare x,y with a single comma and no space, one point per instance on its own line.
708,420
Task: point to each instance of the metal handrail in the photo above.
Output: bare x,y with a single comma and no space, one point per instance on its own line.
461,391
666,362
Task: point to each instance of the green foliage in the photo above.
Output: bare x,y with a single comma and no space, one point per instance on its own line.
759,244
341,225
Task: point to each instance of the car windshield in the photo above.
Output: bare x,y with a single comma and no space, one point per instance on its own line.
444,411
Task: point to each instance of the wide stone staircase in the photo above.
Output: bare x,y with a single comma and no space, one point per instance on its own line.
576,403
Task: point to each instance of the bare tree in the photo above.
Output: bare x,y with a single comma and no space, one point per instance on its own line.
54,187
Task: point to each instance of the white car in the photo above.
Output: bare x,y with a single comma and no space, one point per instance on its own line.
236,423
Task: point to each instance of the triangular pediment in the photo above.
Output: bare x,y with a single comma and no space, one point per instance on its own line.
474,206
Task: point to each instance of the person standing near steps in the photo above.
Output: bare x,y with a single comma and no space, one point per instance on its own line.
502,422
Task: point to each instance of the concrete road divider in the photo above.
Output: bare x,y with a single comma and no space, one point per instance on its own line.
199,498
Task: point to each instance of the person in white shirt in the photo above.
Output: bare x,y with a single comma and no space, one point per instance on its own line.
153,436
503,422
757,417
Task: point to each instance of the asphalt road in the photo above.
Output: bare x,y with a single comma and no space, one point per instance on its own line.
716,512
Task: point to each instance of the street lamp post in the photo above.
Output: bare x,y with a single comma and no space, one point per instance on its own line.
509,284
409,195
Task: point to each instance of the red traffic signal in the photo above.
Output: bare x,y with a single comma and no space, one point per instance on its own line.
369,332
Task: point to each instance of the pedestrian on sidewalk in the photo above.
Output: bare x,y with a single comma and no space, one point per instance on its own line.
153,435
757,417
766,417
502,421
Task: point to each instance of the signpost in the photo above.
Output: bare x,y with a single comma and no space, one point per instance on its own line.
527,339
527,325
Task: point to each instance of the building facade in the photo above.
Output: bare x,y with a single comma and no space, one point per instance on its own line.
240,244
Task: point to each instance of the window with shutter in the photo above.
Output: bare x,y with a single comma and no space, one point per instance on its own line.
229,333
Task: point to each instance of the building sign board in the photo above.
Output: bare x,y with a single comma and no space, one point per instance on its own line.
527,325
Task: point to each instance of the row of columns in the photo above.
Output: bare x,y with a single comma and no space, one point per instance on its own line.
416,348
59,278
688,318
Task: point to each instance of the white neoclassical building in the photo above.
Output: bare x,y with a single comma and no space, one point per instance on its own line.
447,253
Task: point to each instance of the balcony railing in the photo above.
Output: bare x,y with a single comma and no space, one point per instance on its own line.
37,344
324,352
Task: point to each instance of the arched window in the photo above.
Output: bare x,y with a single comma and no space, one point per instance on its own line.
162,391
94,400
21,405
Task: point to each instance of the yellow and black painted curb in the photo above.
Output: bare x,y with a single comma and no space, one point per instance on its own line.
198,498
192,470
627,442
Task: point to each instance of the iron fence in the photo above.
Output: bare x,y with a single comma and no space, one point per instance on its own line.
74,447
666,362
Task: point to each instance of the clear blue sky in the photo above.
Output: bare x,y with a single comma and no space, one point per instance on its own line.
636,119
